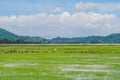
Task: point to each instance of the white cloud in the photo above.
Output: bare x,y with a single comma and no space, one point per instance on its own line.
56,10
64,24
97,6
85,6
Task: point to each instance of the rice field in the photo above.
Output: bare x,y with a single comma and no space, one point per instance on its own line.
59,62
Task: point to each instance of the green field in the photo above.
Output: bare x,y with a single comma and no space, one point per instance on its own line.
83,62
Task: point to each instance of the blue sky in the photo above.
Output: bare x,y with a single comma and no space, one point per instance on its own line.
10,7
25,7
52,18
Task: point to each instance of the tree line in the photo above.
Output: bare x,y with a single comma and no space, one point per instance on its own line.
17,41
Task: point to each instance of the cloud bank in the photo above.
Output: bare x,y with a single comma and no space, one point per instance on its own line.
64,24
106,7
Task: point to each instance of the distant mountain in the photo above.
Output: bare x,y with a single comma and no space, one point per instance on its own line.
8,37
113,38
90,39
34,39
4,34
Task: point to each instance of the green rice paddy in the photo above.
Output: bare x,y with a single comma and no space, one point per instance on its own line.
59,62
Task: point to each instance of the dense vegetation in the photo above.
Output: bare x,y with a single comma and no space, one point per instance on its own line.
113,38
8,37
59,62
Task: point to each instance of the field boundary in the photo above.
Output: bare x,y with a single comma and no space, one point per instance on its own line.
112,44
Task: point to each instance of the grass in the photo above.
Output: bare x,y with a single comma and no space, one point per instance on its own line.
59,62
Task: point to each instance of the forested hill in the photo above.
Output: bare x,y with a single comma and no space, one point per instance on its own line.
8,37
113,38
4,34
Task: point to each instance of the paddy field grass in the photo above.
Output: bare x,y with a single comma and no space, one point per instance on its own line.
59,62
